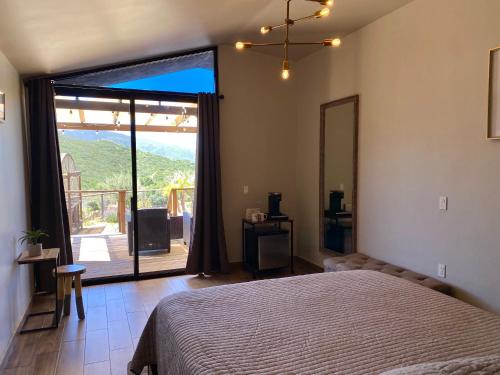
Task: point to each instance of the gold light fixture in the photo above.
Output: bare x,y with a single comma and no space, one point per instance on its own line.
323,12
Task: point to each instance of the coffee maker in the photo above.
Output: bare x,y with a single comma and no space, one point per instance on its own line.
336,197
274,212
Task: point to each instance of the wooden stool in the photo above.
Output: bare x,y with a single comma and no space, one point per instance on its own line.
65,275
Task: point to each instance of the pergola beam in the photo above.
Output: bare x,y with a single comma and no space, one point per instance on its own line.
125,128
179,120
150,119
124,107
81,113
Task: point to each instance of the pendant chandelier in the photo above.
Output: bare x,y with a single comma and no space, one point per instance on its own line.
324,12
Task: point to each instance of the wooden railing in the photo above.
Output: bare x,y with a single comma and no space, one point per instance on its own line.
100,194
177,199
177,202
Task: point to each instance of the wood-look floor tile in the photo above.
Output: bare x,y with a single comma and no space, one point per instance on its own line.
74,330
35,322
96,299
113,292
95,291
119,335
18,371
137,321
22,351
86,343
96,346
99,368
115,310
149,307
49,341
71,358
96,318
119,360
135,340
133,305
45,363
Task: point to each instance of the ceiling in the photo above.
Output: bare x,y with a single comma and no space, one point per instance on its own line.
47,36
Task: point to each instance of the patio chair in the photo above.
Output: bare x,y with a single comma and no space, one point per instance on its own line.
154,231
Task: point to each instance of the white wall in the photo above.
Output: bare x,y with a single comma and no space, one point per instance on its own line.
14,280
257,137
422,73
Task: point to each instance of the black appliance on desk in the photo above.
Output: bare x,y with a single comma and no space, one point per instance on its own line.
336,197
274,212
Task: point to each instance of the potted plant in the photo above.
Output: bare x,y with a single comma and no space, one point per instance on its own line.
33,237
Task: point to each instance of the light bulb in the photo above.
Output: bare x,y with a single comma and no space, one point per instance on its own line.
285,73
332,42
328,3
265,29
242,45
322,13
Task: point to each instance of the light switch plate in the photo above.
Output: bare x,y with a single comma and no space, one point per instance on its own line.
443,203
442,270
245,189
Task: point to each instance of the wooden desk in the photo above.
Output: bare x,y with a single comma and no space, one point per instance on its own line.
48,256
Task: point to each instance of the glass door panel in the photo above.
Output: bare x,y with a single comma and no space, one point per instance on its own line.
95,148
166,136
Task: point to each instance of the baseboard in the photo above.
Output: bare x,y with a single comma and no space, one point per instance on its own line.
16,331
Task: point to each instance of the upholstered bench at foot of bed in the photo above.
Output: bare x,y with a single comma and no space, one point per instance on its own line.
359,261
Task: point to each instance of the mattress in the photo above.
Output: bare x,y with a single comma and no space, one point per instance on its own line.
353,322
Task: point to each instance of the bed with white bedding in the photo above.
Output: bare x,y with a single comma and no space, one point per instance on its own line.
354,322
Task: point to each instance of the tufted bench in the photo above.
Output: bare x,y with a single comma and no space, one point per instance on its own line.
359,261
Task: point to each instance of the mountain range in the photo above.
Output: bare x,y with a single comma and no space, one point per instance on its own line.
105,164
172,152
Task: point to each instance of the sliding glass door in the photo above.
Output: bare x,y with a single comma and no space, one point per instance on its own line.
95,142
166,136
129,176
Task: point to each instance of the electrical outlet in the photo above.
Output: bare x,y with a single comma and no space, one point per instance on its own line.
442,270
245,189
443,203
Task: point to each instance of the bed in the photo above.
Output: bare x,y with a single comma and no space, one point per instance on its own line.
353,322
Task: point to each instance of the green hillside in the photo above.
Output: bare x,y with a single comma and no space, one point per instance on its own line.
107,165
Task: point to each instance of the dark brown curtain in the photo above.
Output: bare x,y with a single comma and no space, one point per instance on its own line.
207,251
47,200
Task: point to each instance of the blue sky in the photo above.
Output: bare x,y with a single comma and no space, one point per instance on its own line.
188,81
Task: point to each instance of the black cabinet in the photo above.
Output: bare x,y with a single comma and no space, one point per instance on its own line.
267,246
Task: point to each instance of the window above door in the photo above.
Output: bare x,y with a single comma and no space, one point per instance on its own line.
189,73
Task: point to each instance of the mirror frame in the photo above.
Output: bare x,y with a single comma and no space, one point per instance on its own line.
351,99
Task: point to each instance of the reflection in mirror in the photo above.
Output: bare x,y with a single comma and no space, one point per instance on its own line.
338,175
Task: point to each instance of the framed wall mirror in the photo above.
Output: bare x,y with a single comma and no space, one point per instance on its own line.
338,175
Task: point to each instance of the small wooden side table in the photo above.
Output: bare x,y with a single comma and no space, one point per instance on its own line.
48,256
65,275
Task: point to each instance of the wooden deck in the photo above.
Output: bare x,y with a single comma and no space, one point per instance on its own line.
107,255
